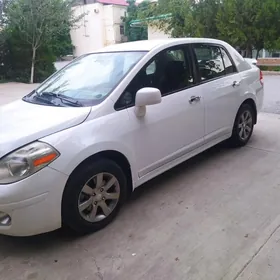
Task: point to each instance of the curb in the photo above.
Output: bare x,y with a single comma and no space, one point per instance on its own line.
271,73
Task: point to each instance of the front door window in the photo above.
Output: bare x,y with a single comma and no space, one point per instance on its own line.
170,71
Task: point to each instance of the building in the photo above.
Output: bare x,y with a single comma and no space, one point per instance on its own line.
100,26
153,32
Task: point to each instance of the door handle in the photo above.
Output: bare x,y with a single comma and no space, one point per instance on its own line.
194,99
236,84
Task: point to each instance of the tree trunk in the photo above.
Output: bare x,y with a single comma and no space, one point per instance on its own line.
257,55
249,52
32,65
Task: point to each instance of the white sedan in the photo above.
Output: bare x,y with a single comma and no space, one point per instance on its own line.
73,150
252,61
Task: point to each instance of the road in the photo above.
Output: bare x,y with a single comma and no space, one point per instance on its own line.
215,217
272,94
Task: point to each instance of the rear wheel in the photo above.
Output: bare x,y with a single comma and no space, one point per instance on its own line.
93,196
243,126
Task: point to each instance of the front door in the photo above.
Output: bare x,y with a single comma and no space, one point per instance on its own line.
174,127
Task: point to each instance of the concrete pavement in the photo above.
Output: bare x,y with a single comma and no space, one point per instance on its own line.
272,94
214,217
13,91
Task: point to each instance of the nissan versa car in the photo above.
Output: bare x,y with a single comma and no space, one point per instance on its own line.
73,150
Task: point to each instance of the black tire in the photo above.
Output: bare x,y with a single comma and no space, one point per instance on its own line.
236,140
71,216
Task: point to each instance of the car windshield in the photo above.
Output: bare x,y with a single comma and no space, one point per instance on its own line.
90,78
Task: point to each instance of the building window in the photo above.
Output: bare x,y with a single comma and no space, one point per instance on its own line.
276,54
121,29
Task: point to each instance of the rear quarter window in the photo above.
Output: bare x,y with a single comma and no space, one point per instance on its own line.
240,62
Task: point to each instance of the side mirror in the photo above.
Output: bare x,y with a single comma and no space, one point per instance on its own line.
144,97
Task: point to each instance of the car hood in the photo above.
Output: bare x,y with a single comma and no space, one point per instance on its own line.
22,122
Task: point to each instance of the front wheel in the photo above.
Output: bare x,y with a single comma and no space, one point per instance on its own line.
93,196
243,126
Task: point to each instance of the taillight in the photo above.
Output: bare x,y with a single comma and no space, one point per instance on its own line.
261,77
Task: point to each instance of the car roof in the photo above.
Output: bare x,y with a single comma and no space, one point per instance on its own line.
148,45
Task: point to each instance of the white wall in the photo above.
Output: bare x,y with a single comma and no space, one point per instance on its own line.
118,13
108,25
98,28
112,21
60,64
89,35
155,33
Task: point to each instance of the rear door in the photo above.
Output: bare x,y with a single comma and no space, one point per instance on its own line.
220,87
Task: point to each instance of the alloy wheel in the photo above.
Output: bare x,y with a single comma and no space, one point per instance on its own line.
245,125
99,197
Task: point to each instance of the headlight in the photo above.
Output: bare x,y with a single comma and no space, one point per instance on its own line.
26,161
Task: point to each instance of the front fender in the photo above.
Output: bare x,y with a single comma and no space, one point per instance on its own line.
77,144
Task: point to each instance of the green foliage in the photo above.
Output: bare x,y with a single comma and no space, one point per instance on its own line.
133,11
42,29
15,57
270,68
190,18
246,24
250,23
39,21
61,44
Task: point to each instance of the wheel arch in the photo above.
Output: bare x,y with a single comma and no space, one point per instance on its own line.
251,103
115,156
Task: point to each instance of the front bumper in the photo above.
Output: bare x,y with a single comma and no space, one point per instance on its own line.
33,204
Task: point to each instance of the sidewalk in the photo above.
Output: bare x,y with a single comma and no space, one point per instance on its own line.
271,73
261,260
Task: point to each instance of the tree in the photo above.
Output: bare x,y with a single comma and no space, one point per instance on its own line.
190,18
3,20
250,24
246,24
15,57
134,33
38,22
61,44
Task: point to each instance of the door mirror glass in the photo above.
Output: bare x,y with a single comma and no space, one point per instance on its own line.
147,96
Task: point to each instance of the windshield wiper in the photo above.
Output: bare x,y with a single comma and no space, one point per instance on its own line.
62,98
42,99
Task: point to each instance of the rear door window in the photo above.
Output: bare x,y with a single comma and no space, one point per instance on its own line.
209,60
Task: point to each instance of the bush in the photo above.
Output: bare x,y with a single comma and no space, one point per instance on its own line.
15,61
269,68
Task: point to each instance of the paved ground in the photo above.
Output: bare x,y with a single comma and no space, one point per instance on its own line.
12,91
215,217
272,94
